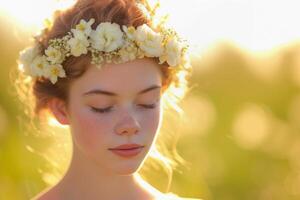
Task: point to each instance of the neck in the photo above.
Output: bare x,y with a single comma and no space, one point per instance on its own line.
86,180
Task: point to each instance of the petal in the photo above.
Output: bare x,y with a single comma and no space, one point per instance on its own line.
53,79
62,73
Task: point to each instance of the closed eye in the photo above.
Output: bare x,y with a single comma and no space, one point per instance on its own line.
148,106
108,109
101,110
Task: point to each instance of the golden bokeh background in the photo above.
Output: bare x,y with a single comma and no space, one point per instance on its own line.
241,131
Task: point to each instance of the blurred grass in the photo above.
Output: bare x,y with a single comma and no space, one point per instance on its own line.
241,132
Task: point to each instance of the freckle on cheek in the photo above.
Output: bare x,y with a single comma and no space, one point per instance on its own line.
88,130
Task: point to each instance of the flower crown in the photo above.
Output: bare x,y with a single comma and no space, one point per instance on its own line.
109,42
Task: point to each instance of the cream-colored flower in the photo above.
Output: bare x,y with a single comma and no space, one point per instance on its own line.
54,55
85,27
149,41
39,65
26,57
173,51
130,32
108,43
107,37
54,71
78,44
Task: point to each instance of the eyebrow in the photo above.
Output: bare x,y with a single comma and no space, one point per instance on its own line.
108,93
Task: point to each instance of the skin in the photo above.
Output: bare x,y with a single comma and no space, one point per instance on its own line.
94,171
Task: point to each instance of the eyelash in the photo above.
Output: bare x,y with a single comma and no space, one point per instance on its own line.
108,109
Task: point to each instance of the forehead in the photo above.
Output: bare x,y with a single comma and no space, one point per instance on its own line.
122,79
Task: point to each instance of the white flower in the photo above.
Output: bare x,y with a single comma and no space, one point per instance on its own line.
149,41
130,31
54,71
54,55
173,51
84,26
39,65
107,37
78,44
26,57
108,43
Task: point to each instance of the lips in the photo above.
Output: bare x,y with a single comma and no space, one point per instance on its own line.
127,150
127,147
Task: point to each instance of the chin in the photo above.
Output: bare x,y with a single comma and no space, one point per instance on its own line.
127,167
126,170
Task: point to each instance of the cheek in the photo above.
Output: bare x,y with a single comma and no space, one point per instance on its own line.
88,128
150,121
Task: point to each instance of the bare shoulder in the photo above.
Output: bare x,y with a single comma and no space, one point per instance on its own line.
172,196
47,194
187,198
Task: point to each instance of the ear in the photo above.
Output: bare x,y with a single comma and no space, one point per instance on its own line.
59,110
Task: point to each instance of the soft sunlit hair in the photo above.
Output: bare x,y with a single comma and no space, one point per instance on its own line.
36,93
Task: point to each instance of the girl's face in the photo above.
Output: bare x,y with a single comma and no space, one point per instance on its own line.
118,104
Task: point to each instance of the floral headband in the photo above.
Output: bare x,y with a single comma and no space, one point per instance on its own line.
107,43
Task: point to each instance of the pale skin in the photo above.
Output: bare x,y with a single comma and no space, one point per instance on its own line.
94,171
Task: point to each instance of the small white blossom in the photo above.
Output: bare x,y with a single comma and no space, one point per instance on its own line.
39,65
149,41
54,55
78,44
54,71
79,34
173,51
128,52
85,27
107,37
130,32
26,57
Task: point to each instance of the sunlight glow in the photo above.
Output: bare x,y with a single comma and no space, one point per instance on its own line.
54,123
199,109
31,13
252,24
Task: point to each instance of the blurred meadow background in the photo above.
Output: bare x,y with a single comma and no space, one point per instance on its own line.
242,116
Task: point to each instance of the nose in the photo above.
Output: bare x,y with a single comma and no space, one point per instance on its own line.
128,126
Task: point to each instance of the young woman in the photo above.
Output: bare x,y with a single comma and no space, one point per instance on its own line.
105,69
